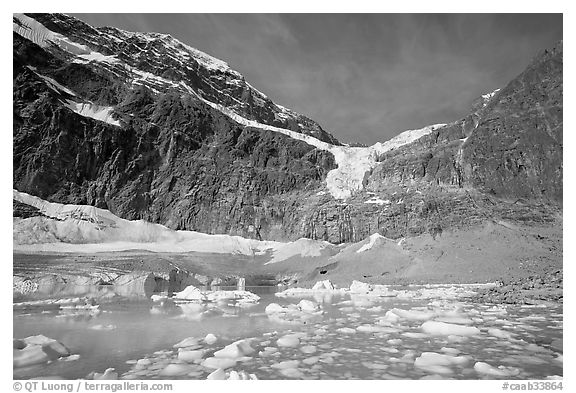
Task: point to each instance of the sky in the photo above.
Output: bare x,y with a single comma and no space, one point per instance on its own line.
364,77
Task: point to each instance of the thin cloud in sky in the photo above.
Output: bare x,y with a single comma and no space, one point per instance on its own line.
363,77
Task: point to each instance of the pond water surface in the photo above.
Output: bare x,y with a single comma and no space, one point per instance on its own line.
350,337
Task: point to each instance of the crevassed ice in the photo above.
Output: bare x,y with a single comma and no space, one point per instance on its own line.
353,162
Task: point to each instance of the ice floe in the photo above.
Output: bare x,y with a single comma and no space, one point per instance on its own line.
108,374
237,349
293,313
221,374
210,339
427,359
37,350
191,293
288,341
175,370
500,371
190,355
323,285
448,329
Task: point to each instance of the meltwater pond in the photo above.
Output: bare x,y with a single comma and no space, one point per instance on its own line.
423,332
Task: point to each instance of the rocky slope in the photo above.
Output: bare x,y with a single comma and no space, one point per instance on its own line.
150,128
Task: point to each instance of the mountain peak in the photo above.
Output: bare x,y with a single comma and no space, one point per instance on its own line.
161,63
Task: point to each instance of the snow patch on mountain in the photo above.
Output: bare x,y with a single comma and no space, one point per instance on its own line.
488,96
96,56
40,35
52,84
93,111
88,229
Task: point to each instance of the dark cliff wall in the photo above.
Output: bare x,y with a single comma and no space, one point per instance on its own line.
174,160
516,150
177,161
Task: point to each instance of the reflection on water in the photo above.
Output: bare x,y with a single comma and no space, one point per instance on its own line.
355,337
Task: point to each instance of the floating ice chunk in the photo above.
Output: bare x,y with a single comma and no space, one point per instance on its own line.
346,330
158,298
190,293
210,339
308,306
414,335
70,358
326,284
37,350
500,333
451,351
273,308
456,339
437,369
413,315
389,318
103,327
242,296
308,349
293,314
188,342
292,373
447,329
192,311
438,359
286,364
311,360
456,320
236,349
288,341
501,371
241,375
190,355
108,374
375,366
321,295
268,351
376,329
175,370
142,363
30,356
218,374
217,363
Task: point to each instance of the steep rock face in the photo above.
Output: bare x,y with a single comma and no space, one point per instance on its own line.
149,128
173,160
158,62
516,149
501,162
